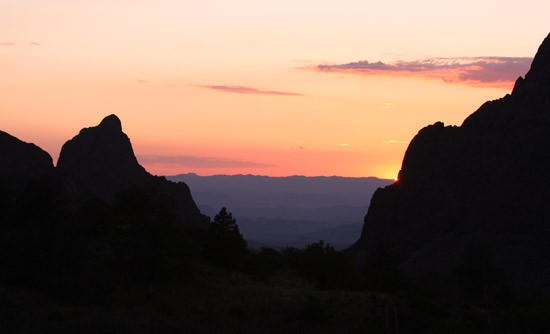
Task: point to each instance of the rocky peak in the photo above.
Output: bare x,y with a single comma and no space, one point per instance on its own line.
103,149
112,123
101,160
540,67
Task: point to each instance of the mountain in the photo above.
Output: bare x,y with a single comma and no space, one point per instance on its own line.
287,211
100,162
21,162
483,185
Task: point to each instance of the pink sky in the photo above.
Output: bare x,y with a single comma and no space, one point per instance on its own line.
272,88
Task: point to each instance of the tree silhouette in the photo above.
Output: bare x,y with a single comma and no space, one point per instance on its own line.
225,243
224,224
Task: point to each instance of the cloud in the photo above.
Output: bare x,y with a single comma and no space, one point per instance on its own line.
198,162
249,90
13,44
391,141
499,72
389,105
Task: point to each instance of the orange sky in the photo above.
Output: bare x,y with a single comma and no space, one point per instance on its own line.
272,88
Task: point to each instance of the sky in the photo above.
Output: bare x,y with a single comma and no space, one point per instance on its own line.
278,88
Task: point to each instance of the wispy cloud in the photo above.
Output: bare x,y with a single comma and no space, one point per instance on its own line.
13,44
389,105
248,90
199,162
391,141
499,72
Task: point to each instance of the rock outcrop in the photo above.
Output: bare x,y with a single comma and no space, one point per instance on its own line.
20,163
485,182
100,162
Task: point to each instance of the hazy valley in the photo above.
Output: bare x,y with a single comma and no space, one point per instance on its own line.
288,211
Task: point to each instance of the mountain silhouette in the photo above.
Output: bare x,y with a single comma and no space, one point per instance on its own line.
21,162
485,182
100,160
97,163
103,149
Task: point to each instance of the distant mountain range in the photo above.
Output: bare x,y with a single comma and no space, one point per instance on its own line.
287,211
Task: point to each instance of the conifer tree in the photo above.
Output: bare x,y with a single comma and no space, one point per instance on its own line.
225,243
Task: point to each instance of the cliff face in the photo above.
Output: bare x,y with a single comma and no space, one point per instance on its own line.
483,182
21,162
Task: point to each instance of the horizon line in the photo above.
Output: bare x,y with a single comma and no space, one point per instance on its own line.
288,176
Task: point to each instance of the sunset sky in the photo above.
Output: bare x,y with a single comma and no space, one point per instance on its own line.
259,87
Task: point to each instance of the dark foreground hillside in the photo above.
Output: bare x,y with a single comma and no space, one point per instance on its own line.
130,267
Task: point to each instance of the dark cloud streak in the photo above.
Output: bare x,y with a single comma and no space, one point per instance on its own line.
199,162
249,90
484,71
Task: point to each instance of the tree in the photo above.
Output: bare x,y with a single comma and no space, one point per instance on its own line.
321,264
225,243
225,225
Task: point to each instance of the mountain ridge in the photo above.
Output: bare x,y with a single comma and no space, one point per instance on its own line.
484,182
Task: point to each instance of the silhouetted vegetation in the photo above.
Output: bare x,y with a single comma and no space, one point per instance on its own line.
224,242
322,265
